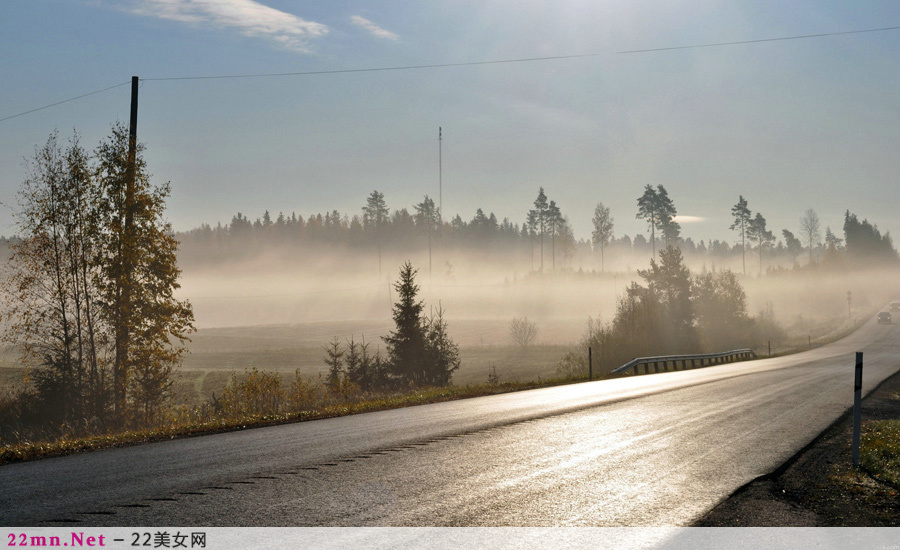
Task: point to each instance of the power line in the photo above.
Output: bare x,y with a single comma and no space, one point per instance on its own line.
463,64
66,101
759,40
524,59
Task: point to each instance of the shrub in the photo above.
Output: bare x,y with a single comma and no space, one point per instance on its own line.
257,393
522,331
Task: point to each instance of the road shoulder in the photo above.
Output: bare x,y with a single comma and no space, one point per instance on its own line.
818,487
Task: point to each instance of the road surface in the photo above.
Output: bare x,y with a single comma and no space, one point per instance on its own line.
657,450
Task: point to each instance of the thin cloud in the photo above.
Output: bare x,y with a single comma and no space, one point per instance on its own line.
248,17
689,219
373,28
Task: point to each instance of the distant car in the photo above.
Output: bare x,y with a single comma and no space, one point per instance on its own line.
884,318
895,306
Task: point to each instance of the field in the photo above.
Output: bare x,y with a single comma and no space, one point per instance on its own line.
485,348
217,352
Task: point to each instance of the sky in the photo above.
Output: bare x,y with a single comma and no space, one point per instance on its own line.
787,124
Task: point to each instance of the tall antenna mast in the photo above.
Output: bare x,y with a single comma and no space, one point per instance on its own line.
440,179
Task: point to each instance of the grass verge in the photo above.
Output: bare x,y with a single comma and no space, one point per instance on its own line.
879,453
67,446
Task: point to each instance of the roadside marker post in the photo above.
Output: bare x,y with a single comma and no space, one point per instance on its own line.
857,405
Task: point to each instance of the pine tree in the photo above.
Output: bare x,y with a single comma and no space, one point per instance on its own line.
375,217
406,343
793,244
648,210
756,231
671,229
427,220
741,215
538,217
555,223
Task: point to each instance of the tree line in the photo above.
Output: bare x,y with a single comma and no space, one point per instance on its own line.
546,236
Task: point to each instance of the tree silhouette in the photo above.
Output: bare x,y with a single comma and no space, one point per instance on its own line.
670,282
793,244
720,307
658,210
555,223
530,228
671,230
428,220
375,217
603,229
810,231
441,352
539,218
420,350
742,218
648,210
757,232
406,343
865,243
334,359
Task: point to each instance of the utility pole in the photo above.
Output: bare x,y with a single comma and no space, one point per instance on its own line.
123,336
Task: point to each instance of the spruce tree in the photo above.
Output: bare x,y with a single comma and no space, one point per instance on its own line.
334,359
406,343
441,352
420,350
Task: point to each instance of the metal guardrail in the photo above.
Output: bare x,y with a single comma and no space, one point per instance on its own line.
704,360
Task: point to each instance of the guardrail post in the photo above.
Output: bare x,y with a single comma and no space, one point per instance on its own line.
857,405
590,365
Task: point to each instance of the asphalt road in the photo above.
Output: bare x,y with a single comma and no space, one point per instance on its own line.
657,450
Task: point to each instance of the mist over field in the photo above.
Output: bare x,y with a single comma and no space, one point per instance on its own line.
277,308
293,286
